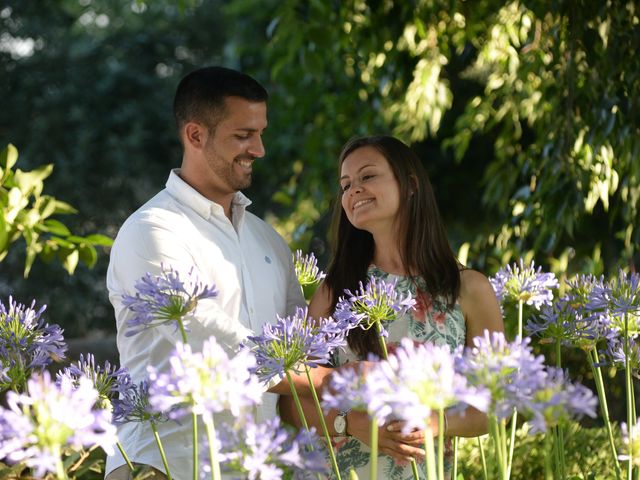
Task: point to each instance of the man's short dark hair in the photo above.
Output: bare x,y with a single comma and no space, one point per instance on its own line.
201,94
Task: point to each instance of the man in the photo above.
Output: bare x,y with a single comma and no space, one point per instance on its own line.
199,221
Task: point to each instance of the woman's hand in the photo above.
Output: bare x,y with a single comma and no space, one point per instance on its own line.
391,441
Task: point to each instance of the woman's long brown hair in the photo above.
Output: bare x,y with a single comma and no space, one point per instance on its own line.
426,251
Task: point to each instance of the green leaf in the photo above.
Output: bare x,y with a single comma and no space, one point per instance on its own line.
88,255
55,227
4,236
46,205
48,252
70,262
32,182
8,159
62,243
76,239
33,248
99,240
64,208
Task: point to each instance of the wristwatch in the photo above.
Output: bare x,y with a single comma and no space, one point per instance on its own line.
340,423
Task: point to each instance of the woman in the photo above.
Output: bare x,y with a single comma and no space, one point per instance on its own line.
387,225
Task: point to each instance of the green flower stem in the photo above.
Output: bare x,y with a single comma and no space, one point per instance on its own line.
61,473
296,399
629,392
414,470
559,431
194,417
385,355
514,418
441,444
548,469
520,312
454,474
323,424
430,453
194,439
161,449
503,442
211,438
373,455
383,344
124,455
499,447
594,361
483,459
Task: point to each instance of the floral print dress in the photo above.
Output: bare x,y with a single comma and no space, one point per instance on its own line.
429,321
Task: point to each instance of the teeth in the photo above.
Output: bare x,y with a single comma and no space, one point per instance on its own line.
359,203
245,163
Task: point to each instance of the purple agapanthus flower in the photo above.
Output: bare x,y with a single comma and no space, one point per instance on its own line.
37,424
27,343
106,379
563,321
164,299
555,401
374,304
620,300
295,341
631,441
347,389
509,371
615,352
400,391
205,382
518,282
267,451
132,404
306,267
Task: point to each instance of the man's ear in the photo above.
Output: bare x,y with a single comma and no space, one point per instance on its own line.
195,135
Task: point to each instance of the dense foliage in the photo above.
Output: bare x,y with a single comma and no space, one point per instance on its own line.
523,112
528,106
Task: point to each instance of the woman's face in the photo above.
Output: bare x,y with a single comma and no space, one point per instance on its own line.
370,191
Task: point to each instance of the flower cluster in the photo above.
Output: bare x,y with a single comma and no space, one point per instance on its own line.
295,341
48,416
373,304
164,299
204,382
569,320
259,451
27,343
620,300
399,390
348,389
306,267
518,282
555,400
132,404
106,379
516,378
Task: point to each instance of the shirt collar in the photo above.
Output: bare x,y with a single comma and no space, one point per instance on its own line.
187,195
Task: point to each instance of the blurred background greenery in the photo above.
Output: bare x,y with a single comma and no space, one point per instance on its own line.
525,114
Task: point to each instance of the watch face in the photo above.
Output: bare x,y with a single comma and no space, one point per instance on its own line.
340,424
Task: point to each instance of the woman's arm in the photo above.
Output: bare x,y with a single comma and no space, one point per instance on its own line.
481,312
358,424
479,305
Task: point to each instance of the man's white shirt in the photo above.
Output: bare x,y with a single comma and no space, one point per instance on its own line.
250,266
